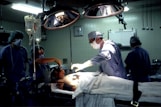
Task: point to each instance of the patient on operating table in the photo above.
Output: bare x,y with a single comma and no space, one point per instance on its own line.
64,82
100,83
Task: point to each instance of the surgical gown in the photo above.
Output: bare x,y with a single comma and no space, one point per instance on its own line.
110,60
13,63
138,62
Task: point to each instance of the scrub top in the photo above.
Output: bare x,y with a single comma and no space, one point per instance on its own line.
138,62
13,62
110,60
42,70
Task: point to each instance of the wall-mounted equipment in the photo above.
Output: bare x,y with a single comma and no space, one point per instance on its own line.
122,37
78,31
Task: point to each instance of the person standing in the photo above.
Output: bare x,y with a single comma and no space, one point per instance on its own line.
14,59
138,61
41,65
40,68
138,66
109,57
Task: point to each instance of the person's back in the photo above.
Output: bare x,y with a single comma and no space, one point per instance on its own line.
138,62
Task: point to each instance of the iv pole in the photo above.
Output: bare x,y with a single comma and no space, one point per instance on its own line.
33,28
29,28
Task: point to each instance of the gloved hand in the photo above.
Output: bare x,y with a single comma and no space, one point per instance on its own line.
77,67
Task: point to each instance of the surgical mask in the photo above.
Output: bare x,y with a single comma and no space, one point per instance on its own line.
95,45
18,42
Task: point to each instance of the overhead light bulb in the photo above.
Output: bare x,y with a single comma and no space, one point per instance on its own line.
38,39
126,8
26,8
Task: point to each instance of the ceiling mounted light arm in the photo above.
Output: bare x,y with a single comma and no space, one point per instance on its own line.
43,5
121,20
1,26
98,9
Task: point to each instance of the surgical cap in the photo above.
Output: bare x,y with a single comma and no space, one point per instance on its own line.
94,34
134,41
15,35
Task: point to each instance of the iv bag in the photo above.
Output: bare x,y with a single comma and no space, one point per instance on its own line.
29,24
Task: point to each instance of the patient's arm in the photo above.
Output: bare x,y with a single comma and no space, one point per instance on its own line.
60,83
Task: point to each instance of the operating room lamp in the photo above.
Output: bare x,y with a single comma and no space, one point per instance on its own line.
103,8
59,17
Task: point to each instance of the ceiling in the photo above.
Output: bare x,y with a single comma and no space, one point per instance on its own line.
12,15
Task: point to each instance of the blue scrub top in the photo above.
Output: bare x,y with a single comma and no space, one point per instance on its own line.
13,62
110,60
138,62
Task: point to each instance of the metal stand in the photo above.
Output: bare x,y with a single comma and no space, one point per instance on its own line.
33,29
